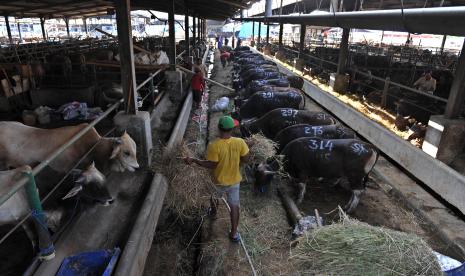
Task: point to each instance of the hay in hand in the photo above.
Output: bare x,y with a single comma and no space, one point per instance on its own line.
260,148
189,187
351,247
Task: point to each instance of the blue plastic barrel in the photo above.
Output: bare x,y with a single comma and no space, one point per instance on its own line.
101,262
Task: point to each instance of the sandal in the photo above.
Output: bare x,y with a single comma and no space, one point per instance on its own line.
236,238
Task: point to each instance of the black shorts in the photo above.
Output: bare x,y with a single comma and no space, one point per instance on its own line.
197,95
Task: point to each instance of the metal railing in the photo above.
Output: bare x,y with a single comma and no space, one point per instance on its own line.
387,82
28,181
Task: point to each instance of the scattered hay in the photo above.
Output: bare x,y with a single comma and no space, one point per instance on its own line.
189,185
260,148
351,247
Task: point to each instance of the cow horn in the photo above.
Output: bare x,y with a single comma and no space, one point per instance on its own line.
74,191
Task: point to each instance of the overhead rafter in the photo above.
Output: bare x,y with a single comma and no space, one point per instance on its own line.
445,21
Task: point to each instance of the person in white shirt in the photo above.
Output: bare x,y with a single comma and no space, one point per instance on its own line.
426,83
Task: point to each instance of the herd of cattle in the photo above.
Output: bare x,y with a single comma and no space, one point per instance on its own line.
312,144
22,147
382,63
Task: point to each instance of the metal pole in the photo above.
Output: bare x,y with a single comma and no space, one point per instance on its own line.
343,51
42,25
233,36
46,247
67,26
198,29
193,29
126,51
259,31
186,31
19,31
84,21
172,52
457,90
268,33
205,34
253,30
8,29
444,38
303,28
281,28
268,9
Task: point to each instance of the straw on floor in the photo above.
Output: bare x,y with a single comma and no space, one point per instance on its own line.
351,247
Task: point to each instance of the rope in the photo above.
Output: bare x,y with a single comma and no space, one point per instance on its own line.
254,272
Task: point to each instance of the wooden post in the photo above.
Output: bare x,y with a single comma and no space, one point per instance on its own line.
457,90
67,26
128,74
172,38
343,51
303,28
42,25
385,92
193,30
8,29
281,29
186,32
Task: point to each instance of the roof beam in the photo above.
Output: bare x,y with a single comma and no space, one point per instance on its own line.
445,21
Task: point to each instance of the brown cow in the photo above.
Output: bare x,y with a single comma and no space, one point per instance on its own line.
24,145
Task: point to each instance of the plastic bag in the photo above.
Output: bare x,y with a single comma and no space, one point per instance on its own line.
221,104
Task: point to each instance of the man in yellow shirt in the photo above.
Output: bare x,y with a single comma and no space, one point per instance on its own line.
224,156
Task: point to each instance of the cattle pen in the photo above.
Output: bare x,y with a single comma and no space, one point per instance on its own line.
348,128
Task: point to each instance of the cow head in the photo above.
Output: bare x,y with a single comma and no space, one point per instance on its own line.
265,172
91,184
124,156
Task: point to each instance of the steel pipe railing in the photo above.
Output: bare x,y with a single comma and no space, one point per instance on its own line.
378,78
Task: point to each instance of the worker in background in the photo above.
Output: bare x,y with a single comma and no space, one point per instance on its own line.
224,57
426,83
197,85
202,66
224,156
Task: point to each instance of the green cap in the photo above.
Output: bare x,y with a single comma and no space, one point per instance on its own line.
226,123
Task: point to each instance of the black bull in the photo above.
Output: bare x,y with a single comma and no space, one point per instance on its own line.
308,158
262,102
291,133
274,121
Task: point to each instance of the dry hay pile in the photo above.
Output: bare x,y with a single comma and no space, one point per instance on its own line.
356,248
260,148
189,187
